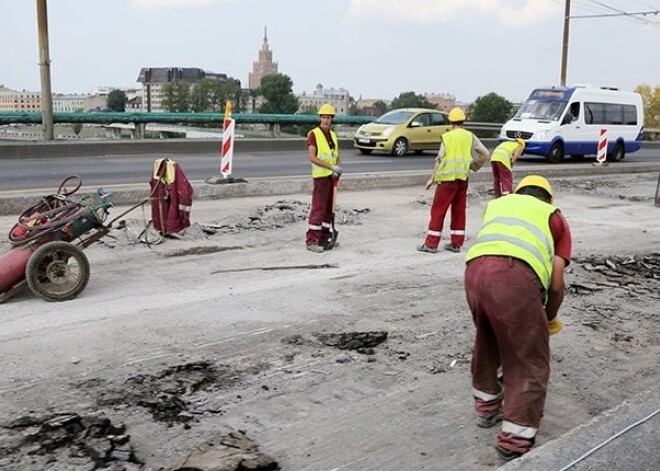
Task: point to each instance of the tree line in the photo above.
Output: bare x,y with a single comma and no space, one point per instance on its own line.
275,96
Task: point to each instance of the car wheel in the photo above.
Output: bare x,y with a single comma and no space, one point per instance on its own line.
400,147
556,153
617,154
365,151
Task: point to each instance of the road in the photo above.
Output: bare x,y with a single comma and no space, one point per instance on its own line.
39,174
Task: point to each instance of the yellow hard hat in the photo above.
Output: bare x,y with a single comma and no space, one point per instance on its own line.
535,180
457,115
326,110
521,142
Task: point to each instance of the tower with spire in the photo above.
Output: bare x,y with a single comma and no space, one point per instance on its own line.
263,66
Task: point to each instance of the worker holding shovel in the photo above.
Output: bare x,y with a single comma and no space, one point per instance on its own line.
323,153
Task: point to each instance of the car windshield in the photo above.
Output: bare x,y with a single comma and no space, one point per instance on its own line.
541,109
394,117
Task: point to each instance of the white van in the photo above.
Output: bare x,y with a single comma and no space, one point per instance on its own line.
560,121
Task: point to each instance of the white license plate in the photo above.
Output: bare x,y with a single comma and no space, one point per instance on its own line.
364,141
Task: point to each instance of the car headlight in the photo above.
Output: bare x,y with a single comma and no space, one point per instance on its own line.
541,134
387,131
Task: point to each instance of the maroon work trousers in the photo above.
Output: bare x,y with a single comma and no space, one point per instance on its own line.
320,213
506,300
448,194
502,179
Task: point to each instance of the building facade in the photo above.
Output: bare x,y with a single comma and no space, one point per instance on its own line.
442,101
153,79
337,97
12,100
263,66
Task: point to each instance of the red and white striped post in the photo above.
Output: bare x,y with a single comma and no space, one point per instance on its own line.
602,146
227,152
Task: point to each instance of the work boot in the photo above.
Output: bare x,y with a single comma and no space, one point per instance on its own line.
452,248
488,422
508,455
427,249
315,248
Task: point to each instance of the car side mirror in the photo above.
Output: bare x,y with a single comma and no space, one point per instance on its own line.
415,124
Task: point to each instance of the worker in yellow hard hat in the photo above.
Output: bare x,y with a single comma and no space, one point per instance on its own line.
323,153
455,159
514,285
502,160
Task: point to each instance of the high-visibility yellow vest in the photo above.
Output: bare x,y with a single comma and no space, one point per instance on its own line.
504,153
455,165
518,226
324,153
168,174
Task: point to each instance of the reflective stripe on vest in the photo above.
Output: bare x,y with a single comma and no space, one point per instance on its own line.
525,236
455,165
504,153
324,153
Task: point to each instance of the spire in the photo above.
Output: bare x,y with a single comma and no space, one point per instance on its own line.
265,34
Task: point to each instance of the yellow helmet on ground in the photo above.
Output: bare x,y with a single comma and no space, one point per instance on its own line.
521,142
327,110
535,180
456,115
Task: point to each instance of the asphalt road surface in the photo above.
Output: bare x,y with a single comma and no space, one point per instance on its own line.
40,174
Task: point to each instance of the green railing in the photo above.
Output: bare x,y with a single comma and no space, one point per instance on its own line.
175,118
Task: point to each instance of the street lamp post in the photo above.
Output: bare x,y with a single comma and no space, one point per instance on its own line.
564,47
44,66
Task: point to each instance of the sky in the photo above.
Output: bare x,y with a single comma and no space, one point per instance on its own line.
375,49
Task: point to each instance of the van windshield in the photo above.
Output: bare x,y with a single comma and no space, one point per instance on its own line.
541,109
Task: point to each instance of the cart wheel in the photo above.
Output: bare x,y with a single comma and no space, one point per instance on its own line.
57,271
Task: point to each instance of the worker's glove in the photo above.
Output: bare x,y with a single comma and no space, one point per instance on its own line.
555,325
336,171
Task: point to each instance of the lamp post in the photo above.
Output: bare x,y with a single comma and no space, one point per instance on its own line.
44,66
564,47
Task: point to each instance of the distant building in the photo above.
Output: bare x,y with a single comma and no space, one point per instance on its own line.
339,98
12,100
368,106
153,79
263,66
442,101
69,103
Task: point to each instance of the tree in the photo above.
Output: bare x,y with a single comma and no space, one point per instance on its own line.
491,108
77,127
411,100
651,101
308,109
117,100
167,98
277,91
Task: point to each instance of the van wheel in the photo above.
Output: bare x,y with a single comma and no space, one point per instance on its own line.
365,151
617,154
400,147
556,153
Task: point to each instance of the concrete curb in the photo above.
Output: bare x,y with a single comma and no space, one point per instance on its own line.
636,449
16,202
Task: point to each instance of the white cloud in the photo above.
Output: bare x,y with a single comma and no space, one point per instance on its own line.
508,12
171,3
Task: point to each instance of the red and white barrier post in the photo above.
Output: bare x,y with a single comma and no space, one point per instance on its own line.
227,151
601,156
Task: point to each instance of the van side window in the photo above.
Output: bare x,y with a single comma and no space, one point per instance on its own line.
423,120
575,110
610,113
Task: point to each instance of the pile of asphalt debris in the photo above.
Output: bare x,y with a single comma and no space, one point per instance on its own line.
636,275
66,441
165,395
278,215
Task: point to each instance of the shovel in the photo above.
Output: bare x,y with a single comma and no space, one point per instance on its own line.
335,233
